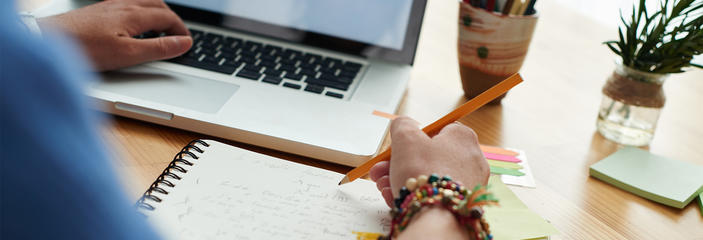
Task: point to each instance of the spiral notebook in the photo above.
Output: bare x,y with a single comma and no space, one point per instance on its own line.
215,191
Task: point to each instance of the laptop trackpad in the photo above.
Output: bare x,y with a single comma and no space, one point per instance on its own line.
174,89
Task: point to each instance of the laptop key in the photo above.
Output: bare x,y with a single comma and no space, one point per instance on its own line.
312,58
268,64
289,53
214,67
331,84
233,64
334,94
211,38
233,41
332,62
246,59
211,60
266,57
253,68
352,65
328,70
288,62
287,68
348,74
345,80
293,76
328,77
249,74
307,72
310,76
182,60
270,49
314,88
248,53
292,85
272,72
252,45
272,80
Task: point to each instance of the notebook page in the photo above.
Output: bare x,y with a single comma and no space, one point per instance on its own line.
232,193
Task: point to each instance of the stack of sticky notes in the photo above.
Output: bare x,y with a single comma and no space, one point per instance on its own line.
511,164
502,161
666,181
512,219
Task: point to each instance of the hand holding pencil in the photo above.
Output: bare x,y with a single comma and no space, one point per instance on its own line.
436,126
454,151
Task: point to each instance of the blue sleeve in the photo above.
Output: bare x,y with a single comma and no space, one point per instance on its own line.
57,182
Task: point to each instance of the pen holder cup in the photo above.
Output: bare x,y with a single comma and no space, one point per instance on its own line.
491,47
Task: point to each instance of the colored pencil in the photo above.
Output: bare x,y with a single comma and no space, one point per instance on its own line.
436,126
530,8
490,5
517,4
508,6
523,8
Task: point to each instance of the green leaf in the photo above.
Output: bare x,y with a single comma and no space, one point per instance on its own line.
664,41
613,49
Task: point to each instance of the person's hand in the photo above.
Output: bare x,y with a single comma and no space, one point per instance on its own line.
454,151
106,29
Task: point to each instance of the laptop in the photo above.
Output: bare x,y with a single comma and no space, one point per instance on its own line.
300,76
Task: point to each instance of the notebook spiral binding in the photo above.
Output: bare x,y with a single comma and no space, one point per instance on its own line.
170,173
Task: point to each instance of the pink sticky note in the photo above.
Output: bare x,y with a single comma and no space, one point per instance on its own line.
500,157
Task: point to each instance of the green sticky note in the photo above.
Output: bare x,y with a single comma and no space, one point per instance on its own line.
518,224
509,165
666,181
506,198
512,219
506,171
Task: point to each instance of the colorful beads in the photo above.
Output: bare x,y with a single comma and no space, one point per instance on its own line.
446,178
432,190
411,184
421,180
476,212
404,192
433,178
397,202
448,193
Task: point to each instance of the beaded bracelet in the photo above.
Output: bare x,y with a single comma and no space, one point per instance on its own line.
466,205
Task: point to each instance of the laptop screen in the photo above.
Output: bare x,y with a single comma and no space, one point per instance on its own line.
381,23
385,29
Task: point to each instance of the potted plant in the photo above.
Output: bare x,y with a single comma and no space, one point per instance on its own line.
651,46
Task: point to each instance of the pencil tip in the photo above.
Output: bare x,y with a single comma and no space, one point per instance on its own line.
344,180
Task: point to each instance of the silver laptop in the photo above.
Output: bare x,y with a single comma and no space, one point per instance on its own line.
300,76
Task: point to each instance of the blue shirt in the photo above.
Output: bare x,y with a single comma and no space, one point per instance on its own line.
57,182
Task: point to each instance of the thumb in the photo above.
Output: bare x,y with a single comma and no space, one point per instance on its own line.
159,48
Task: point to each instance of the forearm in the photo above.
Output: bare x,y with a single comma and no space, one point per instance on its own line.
434,223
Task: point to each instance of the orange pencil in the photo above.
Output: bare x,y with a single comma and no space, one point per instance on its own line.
436,126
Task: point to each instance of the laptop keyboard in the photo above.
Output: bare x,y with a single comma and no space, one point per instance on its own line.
270,64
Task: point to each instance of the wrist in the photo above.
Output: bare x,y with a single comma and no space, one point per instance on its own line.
446,195
434,221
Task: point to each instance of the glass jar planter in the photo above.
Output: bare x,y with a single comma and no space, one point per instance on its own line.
632,102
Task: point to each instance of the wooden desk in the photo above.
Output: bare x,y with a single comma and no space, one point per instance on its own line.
551,116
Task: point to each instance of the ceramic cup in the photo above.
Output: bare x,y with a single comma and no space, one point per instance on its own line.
491,47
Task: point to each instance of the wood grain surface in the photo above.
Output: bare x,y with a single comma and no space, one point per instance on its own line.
551,116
